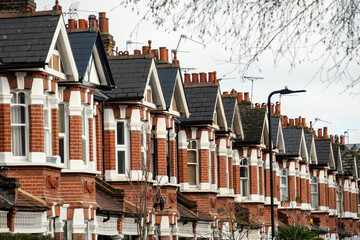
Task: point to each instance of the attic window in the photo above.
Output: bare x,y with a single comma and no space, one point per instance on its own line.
55,61
148,96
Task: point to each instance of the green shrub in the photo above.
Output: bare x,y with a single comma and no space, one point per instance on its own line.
295,232
23,236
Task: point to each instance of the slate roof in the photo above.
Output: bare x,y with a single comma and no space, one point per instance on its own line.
201,102
130,76
323,151
335,148
26,39
105,203
82,45
185,213
26,200
292,139
229,104
348,162
167,77
252,122
308,140
275,129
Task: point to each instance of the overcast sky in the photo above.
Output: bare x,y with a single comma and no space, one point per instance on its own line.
323,101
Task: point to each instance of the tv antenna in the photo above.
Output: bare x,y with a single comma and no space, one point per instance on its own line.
252,79
72,12
347,134
184,36
320,120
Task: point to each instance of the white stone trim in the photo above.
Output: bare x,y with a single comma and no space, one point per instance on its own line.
75,106
37,96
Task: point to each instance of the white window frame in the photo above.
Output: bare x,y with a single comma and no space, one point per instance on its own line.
314,182
47,127
122,147
26,125
64,135
196,163
284,187
244,163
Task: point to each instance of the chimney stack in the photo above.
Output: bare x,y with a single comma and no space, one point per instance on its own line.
195,78
325,132
277,109
319,132
15,6
103,22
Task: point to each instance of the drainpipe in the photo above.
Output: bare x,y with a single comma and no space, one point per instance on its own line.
103,137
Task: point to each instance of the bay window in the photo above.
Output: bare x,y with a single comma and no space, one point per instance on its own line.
121,147
192,162
18,124
314,192
244,177
284,193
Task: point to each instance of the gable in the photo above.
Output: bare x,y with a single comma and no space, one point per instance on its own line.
236,123
219,118
153,94
303,150
60,46
265,132
178,101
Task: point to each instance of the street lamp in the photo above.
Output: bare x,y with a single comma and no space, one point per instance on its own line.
282,92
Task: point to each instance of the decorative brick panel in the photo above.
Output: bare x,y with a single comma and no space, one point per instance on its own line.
213,168
91,139
110,154
75,137
231,175
5,128
236,179
261,181
204,165
173,157
304,193
222,172
135,150
161,156
36,129
267,183
14,6
148,152
291,188
55,131
99,145
253,179
183,170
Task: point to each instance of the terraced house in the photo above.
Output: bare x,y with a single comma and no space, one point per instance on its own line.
99,144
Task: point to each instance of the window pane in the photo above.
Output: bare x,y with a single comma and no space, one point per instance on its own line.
313,188
18,140
21,98
314,200
62,150
283,181
191,157
46,118
47,142
193,145
120,133
17,114
13,99
192,174
121,162
244,187
61,118
243,172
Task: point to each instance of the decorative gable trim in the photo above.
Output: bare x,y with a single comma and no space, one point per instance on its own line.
313,156
61,39
179,97
237,124
280,139
156,91
303,153
219,108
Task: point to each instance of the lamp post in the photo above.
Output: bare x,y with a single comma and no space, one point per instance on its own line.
283,92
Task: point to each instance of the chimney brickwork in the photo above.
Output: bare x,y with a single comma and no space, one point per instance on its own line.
14,6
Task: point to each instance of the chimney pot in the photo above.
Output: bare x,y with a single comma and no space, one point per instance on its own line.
257,105
239,96
92,21
297,121
225,94
195,78
72,23
336,138
155,52
277,109
325,132
342,140
284,121
103,22
203,77
233,93
82,23
291,122
320,132
145,50
187,78
137,52
247,97
332,138
211,76
272,109
163,54
303,122
263,105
